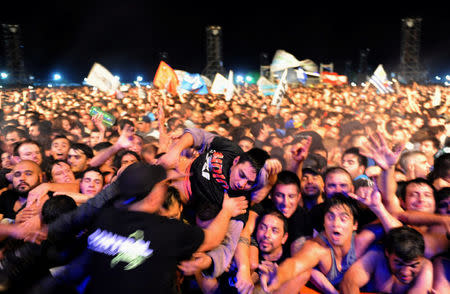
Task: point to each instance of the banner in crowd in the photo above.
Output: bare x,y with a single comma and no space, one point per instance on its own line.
280,92
166,78
333,78
194,83
283,60
379,80
102,79
219,84
266,87
230,87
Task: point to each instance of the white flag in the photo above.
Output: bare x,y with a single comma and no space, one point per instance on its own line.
380,81
308,65
281,90
102,79
230,87
219,85
437,97
283,60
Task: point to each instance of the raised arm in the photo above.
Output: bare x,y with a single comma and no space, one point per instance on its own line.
125,141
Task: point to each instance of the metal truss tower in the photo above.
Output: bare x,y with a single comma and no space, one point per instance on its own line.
214,62
410,67
14,54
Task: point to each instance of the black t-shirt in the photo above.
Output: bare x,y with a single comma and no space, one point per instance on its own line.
137,252
210,175
299,224
7,201
3,180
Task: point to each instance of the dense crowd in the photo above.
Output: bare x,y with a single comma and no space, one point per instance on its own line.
335,190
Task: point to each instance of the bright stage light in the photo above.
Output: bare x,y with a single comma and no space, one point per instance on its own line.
139,79
56,77
4,75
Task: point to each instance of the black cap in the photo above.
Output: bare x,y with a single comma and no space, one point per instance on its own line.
315,164
137,180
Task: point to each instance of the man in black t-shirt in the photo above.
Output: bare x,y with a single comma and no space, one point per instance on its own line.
221,167
132,249
26,175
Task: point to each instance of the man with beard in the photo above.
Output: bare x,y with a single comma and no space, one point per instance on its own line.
26,175
311,187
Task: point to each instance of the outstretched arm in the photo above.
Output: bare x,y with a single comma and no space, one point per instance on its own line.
272,276
125,141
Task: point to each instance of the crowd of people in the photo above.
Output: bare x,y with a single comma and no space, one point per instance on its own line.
336,190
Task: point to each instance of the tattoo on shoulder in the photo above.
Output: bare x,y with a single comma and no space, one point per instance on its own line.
244,240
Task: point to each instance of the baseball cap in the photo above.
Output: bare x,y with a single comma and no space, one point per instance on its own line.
315,164
144,118
137,180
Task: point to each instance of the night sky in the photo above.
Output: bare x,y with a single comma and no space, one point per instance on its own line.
128,36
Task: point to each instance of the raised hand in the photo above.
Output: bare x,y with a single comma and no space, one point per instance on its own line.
98,122
369,196
235,205
126,138
272,166
379,151
300,150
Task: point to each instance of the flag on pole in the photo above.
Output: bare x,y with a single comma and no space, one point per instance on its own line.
283,60
266,87
194,83
379,80
280,92
230,87
166,78
102,79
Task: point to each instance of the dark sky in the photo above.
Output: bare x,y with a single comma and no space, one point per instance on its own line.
127,36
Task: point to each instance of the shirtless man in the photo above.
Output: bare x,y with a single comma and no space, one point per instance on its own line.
399,267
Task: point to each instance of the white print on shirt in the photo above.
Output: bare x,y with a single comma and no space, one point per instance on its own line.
132,249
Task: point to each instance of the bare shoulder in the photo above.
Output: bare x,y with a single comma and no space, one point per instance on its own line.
315,246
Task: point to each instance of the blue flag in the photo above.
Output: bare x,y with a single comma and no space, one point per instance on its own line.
194,83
